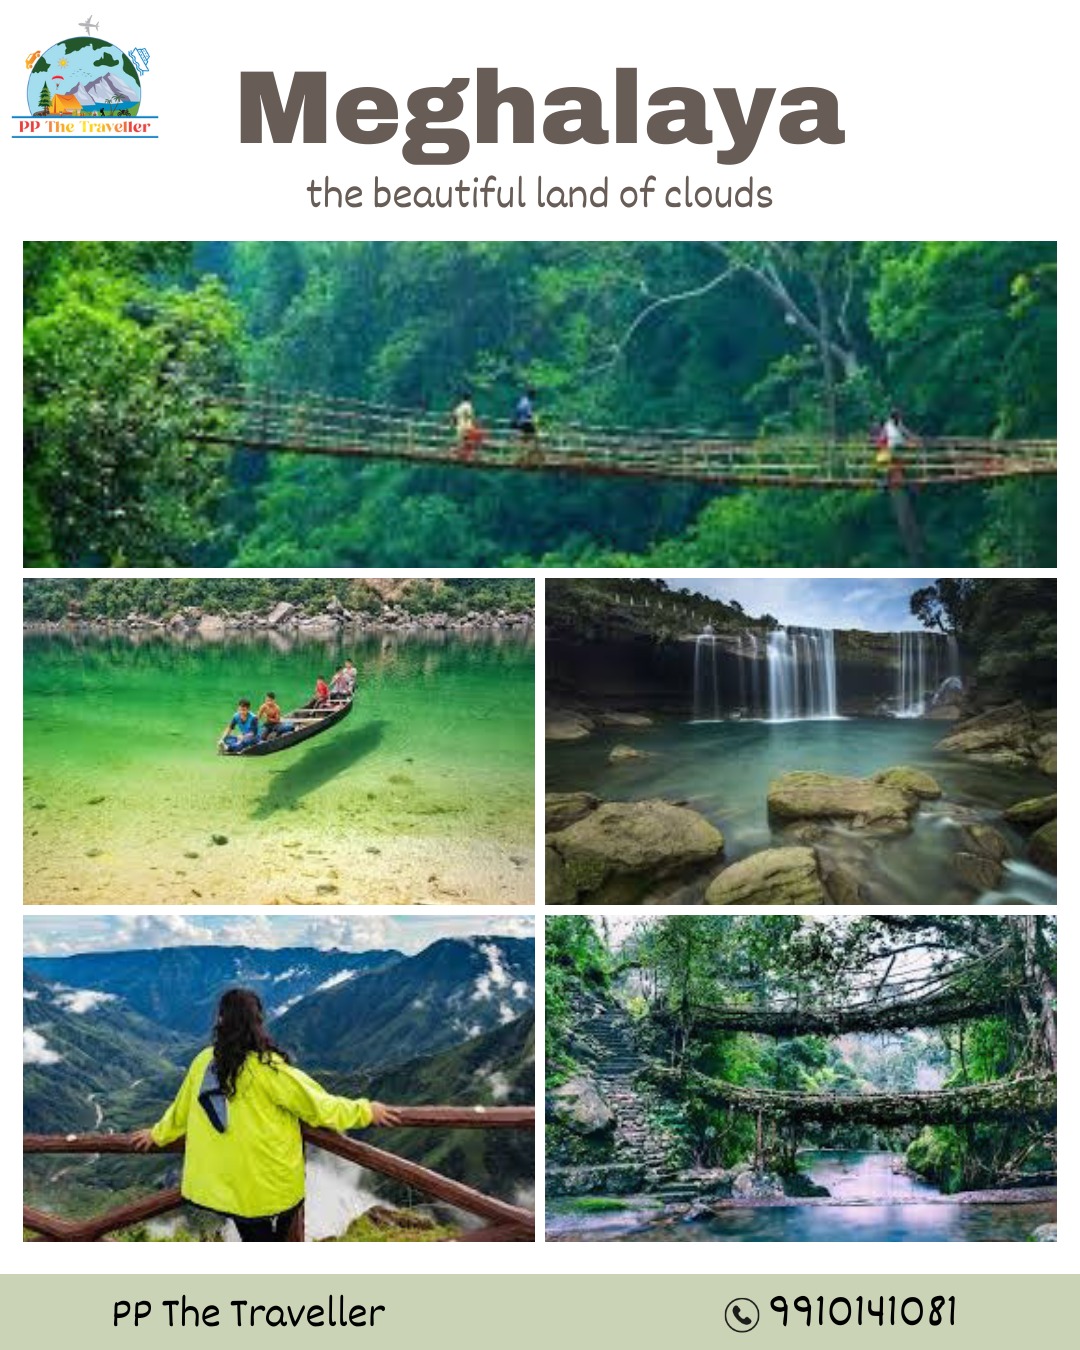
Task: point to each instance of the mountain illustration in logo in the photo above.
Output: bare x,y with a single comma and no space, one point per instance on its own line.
83,77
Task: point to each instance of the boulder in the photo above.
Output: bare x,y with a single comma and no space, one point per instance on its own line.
320,625
648,839
776,876
987,841
1046,1232
907,779
212,625
1032,812
751,1185
558,888
862,802
578,1106
623,719
977,871
563,725
1042,850
1048,763
595,1179
621,753
281,613
1002,736
562,809
841,880
944,712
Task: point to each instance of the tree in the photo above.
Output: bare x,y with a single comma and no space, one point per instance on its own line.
120,345
45,98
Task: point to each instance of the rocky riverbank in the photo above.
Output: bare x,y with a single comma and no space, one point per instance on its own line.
291,621
828,830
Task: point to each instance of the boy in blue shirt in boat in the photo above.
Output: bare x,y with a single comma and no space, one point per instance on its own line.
243,727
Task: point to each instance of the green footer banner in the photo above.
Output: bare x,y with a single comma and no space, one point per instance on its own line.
408,1312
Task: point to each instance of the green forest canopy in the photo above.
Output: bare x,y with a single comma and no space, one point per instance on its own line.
122,339
157,598
670,971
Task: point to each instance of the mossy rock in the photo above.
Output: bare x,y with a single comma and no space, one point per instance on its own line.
563,725
977,871
776,876
643,840
1043,847
1032,812
563,809
907,779
558,888
987,841
862,802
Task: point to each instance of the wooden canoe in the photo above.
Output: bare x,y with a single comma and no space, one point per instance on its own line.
308,721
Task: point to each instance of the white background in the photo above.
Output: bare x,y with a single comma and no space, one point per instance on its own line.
957,127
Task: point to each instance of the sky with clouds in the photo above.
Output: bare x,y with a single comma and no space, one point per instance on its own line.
878,604
63,934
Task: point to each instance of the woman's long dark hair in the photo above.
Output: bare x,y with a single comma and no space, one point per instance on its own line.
240,1030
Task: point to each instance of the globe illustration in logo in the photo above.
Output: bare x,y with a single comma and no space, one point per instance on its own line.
83,77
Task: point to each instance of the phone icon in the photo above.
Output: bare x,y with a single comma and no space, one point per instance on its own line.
742,1314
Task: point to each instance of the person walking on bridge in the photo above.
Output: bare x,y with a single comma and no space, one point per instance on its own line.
524,423
892,439
468,431
240,1110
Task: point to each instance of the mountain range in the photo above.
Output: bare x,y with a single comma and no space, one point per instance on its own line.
179,987
105,87
449,993
107,1036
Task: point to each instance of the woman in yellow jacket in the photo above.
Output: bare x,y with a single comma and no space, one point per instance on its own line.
240,1107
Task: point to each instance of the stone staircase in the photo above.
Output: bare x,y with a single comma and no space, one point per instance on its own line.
638,1140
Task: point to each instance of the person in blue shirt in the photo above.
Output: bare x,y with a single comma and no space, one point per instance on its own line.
524,423
525,415
243,727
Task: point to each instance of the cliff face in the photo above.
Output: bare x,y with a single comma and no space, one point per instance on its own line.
635,671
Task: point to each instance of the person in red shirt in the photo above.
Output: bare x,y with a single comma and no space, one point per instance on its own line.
322,691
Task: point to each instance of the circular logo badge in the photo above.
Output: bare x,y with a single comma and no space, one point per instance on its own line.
83,77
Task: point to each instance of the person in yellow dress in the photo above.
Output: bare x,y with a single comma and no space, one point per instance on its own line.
240,1109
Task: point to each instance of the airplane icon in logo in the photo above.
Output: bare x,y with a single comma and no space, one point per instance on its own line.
88,24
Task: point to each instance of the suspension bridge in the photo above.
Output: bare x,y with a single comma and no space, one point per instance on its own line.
296,423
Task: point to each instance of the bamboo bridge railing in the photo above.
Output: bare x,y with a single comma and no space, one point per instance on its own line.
287,422
503,1222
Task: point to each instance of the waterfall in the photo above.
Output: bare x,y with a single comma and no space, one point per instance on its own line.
750,676
801,672
928,665
706,677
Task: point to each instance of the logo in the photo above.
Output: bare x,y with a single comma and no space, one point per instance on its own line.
84,86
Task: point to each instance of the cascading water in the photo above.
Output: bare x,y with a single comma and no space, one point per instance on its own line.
706,677
752,675
801,673
928,665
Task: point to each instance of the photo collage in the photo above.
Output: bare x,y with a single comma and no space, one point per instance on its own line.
539,742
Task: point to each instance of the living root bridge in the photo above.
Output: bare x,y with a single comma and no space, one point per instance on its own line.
1018,1099
899,1015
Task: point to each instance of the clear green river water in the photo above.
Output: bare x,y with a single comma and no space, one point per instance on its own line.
423,795
723,769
